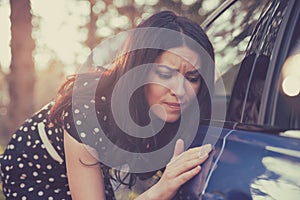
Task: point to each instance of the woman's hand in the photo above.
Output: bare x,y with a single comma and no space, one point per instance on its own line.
183,166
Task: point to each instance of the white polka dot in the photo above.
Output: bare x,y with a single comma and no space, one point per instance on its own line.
14,136
38,181
40,193
83,135
104,117
68,126
24,155
7,168
49,132
76,111
40,115
85,83
63,176
51,179
56,130
103,98
30,120
93,101
49,167
22,185
23,176
100,139
66,114
33,128
30,164
57,190
38,166
35,157
24,198
86,106
21,128
19,159
35,174
50,198
96,130
78,122
19,138
30,189
28,143
25,129
21,165
14,194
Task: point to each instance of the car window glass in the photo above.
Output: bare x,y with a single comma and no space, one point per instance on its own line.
230,34
288,91
246,96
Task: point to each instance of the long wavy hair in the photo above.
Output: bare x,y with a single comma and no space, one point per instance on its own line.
130,57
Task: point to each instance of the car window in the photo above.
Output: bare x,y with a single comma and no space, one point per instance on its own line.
248,90
287,114
230,34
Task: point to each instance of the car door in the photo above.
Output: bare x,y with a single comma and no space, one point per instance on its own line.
258,144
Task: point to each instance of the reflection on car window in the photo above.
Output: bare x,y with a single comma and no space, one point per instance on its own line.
288,103
230,34
245,102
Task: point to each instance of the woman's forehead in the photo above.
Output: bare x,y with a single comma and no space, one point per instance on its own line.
180,57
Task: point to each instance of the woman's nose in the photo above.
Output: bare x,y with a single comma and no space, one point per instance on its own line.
179,86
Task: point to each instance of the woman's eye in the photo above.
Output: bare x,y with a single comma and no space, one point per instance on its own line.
193,79
164,75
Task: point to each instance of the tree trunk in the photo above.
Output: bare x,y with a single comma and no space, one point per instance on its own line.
22,74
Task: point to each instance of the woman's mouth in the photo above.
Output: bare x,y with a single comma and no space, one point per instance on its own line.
173,106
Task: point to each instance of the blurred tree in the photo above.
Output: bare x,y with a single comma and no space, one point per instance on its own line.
92,40
21,78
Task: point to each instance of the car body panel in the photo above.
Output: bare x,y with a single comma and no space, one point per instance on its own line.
256,156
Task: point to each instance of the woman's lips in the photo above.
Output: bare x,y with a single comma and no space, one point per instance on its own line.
173,106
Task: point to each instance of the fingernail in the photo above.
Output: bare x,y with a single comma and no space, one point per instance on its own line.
205,150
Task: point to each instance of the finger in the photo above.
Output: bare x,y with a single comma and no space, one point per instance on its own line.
179,147
182,166
184,177
196,153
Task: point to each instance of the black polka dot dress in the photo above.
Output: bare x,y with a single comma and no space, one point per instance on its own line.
33,164
28,170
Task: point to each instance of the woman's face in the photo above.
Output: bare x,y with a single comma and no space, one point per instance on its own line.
172,83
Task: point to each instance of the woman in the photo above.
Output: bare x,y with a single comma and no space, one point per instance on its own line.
150,96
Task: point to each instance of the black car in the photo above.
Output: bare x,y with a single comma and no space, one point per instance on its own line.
257,135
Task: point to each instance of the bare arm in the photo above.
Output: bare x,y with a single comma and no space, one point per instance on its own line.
86,181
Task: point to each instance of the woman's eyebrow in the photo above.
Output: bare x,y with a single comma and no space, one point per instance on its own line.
193,72
168,68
